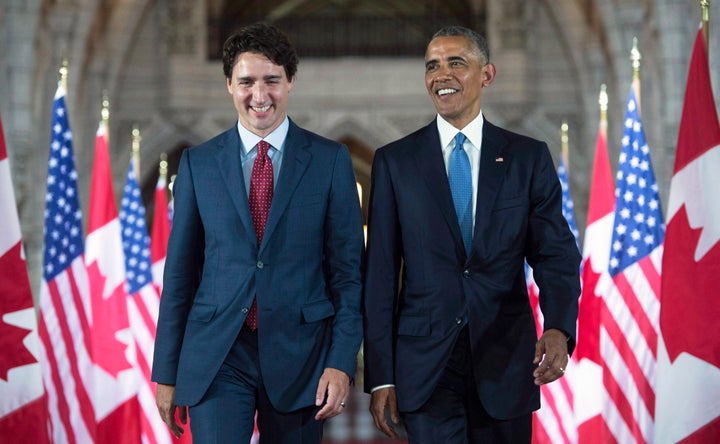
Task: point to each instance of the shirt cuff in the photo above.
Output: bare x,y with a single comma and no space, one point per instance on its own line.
382,387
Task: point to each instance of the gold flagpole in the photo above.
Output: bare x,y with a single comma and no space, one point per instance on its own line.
136,152
705,6
63,74
105,114
636,57
603,102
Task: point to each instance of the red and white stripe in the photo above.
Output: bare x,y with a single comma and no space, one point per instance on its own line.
64,333
554,422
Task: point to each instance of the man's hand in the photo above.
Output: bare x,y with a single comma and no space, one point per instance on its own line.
551,356
380,400
333,390
165,400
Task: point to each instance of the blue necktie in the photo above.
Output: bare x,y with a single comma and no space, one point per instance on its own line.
460,179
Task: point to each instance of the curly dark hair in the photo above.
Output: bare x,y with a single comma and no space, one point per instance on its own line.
260,38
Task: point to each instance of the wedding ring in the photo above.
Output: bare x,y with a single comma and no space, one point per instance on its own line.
342,404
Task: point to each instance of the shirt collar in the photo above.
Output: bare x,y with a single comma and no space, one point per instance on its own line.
472,131
275,138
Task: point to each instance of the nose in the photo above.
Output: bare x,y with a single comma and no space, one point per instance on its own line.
259,93
442,74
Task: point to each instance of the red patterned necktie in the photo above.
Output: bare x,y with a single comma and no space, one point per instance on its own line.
261,192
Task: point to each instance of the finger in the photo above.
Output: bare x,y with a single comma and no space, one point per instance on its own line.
326,412
182,413
320,392
539,351
392,406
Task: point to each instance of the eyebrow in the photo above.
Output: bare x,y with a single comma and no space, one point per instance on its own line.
449,59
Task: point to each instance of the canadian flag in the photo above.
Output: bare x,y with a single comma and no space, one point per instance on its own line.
586,378
115,377
160,231
22,397
688,380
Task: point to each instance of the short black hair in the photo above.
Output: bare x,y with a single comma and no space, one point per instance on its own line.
475,38
260,38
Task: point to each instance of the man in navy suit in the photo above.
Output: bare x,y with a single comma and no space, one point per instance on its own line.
455,210
260,309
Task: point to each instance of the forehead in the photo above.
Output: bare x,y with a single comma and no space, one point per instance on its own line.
255,64
451,46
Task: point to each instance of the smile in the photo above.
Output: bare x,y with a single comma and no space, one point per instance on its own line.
446,91
260,109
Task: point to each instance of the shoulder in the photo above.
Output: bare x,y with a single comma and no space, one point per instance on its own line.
427,135
227,137
515,139
302,137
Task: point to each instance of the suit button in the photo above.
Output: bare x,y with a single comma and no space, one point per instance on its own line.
466,273
458,321
245,310
259,264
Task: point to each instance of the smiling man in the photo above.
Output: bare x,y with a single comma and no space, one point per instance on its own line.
455,209
260,309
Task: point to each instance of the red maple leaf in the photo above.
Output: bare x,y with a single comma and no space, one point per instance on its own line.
15,291
690,305
110,316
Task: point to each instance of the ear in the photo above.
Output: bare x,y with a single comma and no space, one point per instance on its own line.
228,81
488,75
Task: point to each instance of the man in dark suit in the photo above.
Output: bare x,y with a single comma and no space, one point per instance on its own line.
455,209
262,289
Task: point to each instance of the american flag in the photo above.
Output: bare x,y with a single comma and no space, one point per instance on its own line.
554,422
143,304
64,299
630,316
568,207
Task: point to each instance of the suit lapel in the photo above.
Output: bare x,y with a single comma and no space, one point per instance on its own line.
431,164
296,158
493,163
230,167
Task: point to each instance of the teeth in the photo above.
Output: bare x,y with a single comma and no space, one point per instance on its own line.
261,109
446,91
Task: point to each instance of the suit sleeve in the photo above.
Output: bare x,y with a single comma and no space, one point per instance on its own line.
181,277
552,251
344,257
381,278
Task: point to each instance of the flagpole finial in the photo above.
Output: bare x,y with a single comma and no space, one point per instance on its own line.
603,102
63,73
136,138
635,57
163,165
105,112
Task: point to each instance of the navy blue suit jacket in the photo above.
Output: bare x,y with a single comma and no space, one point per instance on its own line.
306,273
411,322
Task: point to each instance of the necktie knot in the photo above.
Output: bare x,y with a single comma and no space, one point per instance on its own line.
262,148
460,141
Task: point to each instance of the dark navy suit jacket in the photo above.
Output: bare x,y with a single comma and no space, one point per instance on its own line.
306,273
411,323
